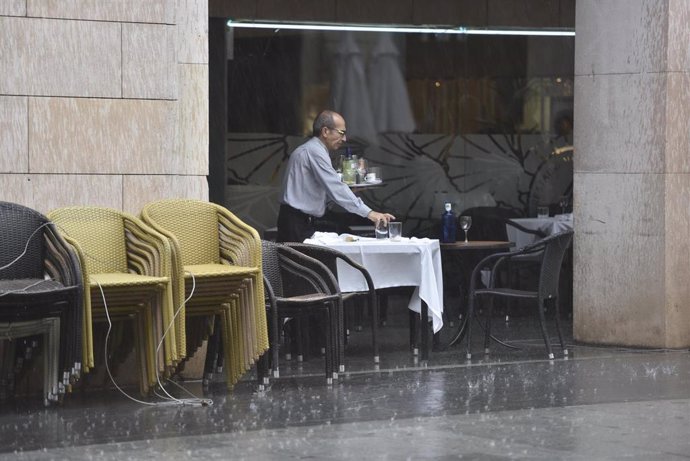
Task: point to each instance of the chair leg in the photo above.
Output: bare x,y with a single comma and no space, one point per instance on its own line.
470,315
487,332
212,352
274,336
413,332
331,352
373,304
558,326
339,343
542,324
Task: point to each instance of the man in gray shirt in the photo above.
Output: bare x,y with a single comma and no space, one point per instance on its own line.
310,183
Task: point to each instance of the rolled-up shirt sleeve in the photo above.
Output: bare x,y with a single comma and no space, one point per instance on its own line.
336,190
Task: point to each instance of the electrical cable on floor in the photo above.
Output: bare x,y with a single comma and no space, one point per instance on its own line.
168,399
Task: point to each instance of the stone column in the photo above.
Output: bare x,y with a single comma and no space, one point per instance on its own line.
632,173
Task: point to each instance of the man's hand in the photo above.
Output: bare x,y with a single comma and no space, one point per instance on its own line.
376,217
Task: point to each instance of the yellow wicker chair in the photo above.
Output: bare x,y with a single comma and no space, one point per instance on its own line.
130,262
221,256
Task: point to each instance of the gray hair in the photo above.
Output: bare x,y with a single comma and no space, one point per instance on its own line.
324,119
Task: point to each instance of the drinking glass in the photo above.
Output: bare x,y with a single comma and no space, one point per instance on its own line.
381,230
465,224
394,231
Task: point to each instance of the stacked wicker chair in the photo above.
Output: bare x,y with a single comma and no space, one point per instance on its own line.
40,294
217,266
126,272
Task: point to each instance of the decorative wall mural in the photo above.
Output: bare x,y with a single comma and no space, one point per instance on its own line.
420,172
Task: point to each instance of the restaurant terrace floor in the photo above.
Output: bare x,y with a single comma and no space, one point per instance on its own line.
599,403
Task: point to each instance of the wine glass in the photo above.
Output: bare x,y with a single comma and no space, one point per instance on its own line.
564,202
465,224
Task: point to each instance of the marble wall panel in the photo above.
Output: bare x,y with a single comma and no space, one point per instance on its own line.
47,57
678,122
449,12
52,191
45,192
192,31
148,61
677,222
634,42
105,136
523,13
14,142
150,11
142,189
619,123
619,248
679,35
191,151
16,188
12,7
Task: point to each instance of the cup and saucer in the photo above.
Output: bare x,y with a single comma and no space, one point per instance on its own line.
372,179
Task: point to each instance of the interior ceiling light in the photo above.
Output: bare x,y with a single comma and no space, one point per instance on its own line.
236,23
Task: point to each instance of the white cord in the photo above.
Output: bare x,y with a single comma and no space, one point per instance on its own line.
26,247
195,401
25,288
168,399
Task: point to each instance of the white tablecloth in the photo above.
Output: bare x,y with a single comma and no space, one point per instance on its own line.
548,226
408,262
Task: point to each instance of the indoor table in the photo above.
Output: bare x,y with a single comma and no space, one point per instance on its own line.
547,226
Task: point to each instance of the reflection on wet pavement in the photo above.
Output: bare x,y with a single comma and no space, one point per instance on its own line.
598,403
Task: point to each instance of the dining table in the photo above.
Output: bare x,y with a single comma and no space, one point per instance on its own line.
404,262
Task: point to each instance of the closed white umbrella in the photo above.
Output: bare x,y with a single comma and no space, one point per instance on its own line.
349,90
390,101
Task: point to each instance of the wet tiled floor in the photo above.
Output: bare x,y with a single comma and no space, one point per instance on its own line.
600,403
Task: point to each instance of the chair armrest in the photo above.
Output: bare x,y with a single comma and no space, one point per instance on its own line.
310,270
61,261
148,251
496,260
323,253
524,229
87,319
240,244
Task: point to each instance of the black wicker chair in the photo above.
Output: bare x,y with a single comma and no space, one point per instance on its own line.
298,286
330,257
549,252
40,278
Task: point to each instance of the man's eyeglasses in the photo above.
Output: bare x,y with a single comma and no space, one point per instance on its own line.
340,132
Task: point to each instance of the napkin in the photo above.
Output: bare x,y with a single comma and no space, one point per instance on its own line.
564,217
415,239
326,238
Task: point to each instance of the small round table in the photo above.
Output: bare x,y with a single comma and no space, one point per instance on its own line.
473,252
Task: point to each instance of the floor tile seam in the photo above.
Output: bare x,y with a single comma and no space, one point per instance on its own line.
473,365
